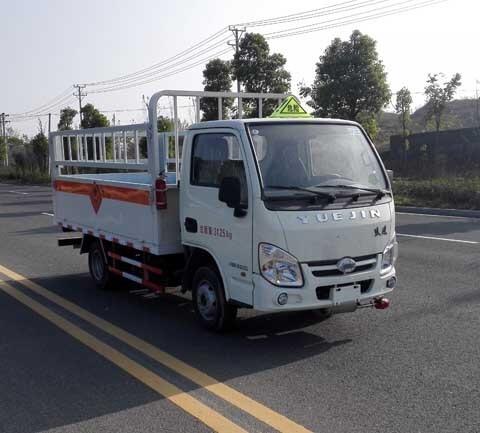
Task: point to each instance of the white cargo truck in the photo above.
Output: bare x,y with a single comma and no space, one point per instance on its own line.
286,213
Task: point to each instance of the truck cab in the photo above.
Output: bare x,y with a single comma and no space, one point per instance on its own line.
297,214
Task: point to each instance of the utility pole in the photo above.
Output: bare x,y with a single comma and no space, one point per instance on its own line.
2,119
237,31
49,123
4,135
477,97
79,95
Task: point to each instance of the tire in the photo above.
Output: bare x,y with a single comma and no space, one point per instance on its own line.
208,295
98,267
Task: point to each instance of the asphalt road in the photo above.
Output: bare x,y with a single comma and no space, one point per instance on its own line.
412,368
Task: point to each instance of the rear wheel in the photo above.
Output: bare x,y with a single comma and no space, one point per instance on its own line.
98,266
209,302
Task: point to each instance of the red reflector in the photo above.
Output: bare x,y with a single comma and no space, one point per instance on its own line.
161,193
382,303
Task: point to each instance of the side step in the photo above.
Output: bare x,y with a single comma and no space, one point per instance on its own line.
76,241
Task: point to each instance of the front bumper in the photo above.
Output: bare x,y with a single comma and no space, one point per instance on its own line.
317,292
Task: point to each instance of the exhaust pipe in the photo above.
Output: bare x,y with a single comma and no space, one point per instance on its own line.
381,303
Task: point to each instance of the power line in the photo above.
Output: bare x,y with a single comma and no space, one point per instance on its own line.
180,61
318,27
322,25
167,68
54,101
163,62
61,103
333,20
141,76
313,13
185,68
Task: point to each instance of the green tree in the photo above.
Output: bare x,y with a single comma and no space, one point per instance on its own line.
403,106
216,78
65,123
350,80
92,118
164,124
369,123
260,72
39,147
67,115
438,96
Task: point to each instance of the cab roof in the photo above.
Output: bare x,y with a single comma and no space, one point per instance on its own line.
240,123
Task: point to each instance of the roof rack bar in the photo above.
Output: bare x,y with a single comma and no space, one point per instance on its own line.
175,116
197,109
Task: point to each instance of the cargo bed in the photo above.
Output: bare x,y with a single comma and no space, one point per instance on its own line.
116,206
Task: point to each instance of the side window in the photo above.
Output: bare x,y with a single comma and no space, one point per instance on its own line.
215,156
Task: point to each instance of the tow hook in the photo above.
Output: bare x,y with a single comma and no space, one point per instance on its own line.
381,303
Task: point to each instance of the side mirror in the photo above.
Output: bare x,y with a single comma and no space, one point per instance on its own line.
230,192
390,175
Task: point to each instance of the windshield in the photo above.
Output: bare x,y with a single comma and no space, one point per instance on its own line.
312,155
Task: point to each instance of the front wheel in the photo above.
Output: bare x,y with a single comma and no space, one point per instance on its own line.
209,302
98,267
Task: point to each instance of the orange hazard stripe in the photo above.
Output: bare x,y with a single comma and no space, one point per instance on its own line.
130,195
73,187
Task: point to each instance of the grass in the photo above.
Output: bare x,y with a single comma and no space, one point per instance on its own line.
27,177
449,192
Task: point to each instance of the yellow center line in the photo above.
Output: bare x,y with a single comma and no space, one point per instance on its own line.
186,402
235,398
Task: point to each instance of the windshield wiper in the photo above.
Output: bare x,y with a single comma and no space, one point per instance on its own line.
331,197
377,191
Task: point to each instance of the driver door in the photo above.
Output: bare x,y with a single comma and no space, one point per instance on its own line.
208,223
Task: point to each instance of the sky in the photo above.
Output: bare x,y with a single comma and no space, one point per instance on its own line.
49,45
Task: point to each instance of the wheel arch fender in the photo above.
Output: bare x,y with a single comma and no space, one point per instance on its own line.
87,241
197,257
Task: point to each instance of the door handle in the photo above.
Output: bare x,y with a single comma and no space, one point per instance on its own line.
191,225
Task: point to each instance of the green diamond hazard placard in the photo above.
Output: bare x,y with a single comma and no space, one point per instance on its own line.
289,108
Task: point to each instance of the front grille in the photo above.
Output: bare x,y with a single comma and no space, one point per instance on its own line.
335,272
324,292
327,268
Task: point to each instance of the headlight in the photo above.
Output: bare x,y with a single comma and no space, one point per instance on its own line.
278,267
389,255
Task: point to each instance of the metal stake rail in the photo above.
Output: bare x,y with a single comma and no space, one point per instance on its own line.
124,137
160,155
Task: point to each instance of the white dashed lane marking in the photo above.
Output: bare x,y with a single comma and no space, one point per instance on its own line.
18,192
437,216
438,239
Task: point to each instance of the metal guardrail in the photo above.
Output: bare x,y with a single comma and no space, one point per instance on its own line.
89,148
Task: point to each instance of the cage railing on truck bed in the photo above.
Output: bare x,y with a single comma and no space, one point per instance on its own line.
139,147
116,147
